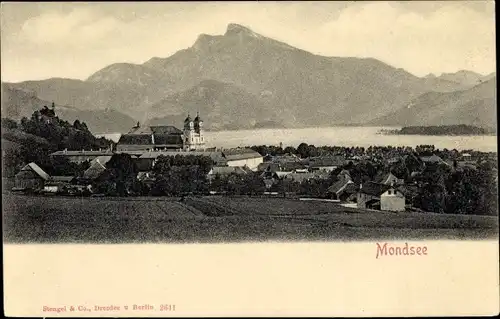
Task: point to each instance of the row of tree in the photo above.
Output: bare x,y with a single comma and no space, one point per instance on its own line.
34,138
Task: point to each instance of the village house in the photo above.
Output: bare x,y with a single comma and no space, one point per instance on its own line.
30,177
433,159
58,184
373,195
285,158
226,171
392,200
243,157
369,195
96,169
344,189
326,163
302,175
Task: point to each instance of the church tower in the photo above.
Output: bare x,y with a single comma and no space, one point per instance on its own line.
188,133
198,128
194,138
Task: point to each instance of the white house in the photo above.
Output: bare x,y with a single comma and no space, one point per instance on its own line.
243,157
392,200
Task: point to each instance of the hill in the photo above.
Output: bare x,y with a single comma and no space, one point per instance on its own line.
302,88
464,77
18,103
475,106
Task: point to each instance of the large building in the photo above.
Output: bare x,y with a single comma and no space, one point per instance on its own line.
158,138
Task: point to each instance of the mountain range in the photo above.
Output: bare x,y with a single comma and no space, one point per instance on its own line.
242,79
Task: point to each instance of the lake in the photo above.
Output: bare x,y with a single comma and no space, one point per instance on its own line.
340,136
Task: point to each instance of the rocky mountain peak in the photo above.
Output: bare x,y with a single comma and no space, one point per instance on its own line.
234,28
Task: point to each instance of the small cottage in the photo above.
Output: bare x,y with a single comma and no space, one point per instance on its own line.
392,200
369,195
31,177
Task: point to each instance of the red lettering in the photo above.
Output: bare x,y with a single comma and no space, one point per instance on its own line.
381,250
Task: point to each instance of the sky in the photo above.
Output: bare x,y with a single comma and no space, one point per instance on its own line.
74,40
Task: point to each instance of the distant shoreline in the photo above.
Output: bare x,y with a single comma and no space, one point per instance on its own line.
275,128
442,130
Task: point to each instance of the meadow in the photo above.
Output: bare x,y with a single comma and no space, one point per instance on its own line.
46,219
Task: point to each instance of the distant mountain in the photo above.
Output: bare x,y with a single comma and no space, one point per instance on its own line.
463,77
315,90
88,95
255,81
475,106
221,105
20,103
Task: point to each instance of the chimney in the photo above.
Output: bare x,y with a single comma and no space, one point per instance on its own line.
65,151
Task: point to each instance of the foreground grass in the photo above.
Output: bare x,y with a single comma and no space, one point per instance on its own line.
220,219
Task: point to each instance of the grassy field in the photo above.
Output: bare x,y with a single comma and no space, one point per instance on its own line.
220,219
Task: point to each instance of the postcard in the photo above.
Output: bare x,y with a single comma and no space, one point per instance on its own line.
173,159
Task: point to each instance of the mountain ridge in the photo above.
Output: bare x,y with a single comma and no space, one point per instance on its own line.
301,88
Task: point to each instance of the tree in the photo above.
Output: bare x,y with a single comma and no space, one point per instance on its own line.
303,150
123,172
8,123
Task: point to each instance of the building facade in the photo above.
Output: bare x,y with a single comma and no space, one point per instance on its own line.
194,138
164,137
392,200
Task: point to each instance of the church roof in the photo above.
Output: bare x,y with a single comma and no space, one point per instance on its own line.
135,139
188,119
165,129
198,118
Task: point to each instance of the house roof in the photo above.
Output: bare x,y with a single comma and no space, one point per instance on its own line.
37,169
101,159
240,154
290,166
299,177
94,171
374,189
344,172
386,178
282,174
285,158
431,159
268,166
339,186
136,139
226,170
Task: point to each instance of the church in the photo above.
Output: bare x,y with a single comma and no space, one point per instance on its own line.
164,137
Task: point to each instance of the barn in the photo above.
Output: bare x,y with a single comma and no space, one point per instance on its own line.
31,177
